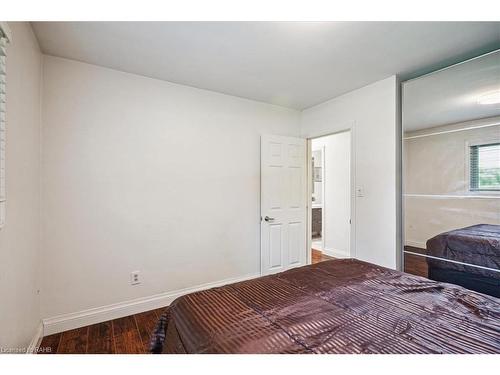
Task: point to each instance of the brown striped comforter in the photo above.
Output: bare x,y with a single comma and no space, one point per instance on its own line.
337,306
478,245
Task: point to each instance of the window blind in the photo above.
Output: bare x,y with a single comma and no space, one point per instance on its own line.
3,54
485,167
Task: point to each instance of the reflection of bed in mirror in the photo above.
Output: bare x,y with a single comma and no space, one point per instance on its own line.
451,174
472,258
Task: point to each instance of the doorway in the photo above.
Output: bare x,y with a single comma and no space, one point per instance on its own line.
331,196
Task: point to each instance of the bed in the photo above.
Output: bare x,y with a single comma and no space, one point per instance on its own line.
477,245
336,306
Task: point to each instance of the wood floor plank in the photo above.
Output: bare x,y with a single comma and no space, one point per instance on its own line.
50,344
318,256
146,323
74,341
126,336
100,339
129,335
416,265
159,311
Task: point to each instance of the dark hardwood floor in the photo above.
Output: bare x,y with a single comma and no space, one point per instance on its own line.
415,264
128,335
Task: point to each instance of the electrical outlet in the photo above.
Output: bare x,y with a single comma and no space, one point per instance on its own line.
135,278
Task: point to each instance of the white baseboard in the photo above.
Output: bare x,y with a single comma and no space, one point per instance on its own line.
420,245
336,253
84,318
37,339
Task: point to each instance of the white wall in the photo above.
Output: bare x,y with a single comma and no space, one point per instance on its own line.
437,195
337,193
141,174
19,239
372,111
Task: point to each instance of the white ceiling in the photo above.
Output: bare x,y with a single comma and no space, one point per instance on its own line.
293,64
452,95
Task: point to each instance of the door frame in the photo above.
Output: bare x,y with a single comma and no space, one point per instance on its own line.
322,190
352,238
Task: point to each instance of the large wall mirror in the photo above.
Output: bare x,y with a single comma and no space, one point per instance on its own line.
451,174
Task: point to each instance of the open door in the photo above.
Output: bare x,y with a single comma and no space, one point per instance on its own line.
283,203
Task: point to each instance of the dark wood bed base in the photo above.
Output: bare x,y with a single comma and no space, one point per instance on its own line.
478,283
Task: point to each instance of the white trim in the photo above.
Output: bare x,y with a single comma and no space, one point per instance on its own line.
483,141
452,196
420,245
323,206
37,339
453,128
84,318
309,178
323,197
323,191
4,27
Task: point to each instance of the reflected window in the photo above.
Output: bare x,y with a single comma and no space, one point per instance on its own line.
485,167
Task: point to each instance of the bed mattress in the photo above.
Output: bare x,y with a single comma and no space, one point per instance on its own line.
478,245
337,306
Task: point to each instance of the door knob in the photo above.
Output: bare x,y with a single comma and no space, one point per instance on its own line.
268,219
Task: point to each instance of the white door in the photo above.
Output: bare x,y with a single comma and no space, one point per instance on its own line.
283,203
